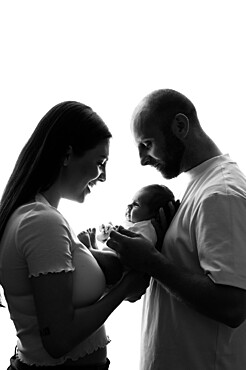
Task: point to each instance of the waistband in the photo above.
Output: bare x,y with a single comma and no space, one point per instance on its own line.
16,364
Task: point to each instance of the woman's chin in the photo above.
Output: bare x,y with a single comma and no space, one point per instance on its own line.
83,195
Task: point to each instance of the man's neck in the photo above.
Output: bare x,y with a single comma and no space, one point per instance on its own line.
200,152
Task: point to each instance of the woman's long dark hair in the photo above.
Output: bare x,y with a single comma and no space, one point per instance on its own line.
67,124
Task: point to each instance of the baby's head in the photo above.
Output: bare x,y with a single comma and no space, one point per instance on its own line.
147,202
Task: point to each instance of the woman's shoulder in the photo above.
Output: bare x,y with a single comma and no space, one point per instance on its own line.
39,214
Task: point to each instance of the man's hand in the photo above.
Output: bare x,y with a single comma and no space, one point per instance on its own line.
163,220
134,250
160,225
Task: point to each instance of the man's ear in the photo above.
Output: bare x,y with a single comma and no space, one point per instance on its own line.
180,126
67,156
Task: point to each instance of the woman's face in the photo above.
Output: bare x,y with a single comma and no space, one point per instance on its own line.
80,174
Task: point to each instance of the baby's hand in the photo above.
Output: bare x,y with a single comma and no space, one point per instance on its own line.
104,232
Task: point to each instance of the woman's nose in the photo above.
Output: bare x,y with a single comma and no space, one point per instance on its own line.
102,176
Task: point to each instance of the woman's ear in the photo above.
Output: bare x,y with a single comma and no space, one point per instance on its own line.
67,156
180,126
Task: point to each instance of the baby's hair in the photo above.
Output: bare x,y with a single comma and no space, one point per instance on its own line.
159,197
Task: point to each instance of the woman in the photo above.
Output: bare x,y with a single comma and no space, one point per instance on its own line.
54,286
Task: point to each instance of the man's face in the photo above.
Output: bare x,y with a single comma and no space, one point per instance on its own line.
162,151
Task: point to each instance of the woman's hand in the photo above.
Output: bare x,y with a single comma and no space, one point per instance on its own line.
137,284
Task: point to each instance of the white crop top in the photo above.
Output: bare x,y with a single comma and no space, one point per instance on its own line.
38,240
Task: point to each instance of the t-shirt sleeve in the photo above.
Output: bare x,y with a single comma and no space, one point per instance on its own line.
43,238
221,239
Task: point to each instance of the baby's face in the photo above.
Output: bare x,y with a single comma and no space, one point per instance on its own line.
138,210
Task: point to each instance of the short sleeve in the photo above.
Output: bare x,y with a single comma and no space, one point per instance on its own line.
43,238
221,239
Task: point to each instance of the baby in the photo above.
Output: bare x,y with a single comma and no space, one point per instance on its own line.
144,207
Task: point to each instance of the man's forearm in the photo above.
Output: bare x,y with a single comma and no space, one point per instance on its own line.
222,303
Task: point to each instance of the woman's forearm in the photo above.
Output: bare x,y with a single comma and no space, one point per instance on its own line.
68,331
110,265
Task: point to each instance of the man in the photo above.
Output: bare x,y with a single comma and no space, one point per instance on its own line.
194,310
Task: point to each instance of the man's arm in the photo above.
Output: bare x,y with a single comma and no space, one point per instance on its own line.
223,303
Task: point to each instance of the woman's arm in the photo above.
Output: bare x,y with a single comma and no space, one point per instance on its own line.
110,265
62,327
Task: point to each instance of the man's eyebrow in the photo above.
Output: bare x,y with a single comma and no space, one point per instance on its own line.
142,139
147,138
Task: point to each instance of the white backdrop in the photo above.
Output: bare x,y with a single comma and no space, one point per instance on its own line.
109,55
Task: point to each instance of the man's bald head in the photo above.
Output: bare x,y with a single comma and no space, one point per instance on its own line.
161,107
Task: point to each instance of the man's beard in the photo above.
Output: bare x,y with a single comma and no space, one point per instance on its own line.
170,167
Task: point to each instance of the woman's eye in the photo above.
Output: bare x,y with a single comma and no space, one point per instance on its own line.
101,164
147,144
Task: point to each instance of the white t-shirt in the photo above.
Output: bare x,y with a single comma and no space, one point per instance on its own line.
207,235
38,240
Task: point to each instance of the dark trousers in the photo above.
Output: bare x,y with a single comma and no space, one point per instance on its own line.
16,364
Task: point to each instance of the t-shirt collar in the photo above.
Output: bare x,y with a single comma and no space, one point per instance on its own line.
208,164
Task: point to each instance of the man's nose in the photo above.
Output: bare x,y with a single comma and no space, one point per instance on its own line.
144,158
